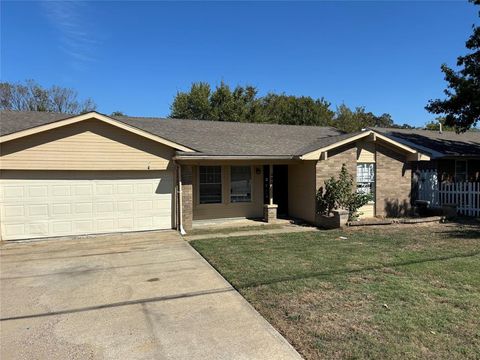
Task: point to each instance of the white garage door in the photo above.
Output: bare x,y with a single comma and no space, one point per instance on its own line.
83,203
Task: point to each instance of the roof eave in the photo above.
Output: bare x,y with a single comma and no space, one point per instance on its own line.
93,115
412,153
234,157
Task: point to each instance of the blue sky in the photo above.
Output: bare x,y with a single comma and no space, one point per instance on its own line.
134,56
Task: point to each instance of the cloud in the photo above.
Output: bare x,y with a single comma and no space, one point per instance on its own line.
77,39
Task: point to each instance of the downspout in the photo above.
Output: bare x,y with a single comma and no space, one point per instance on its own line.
180,202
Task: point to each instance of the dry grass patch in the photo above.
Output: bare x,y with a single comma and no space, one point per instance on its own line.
406,292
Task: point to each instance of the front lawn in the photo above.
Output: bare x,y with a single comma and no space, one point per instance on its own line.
387,292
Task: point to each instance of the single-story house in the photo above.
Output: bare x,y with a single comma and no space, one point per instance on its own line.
455,157
91,173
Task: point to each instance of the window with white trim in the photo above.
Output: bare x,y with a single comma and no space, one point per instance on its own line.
460,170
240,184
366,178
210,184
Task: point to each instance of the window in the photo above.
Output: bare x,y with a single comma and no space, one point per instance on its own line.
366,179
210,184
240,184
460,170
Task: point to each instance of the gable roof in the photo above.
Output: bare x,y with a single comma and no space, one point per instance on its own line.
222,138
445,144
217,138
27,124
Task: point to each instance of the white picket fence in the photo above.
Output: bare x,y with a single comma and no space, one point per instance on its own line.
466,195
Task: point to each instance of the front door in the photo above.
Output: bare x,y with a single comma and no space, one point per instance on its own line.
280,188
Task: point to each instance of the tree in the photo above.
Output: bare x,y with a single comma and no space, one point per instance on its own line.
31,96
293,110
194,104
117,113
242,104
435,125
355,120
462,105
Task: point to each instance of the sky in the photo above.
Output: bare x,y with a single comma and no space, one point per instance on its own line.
135,56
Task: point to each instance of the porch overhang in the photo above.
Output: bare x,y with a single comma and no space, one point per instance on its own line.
368,135
196,158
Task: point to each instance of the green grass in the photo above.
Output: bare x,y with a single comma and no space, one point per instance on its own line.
406,292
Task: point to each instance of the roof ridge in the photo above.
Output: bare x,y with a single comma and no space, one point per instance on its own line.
227,122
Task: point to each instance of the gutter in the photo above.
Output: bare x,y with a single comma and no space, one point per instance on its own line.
235,157
180,201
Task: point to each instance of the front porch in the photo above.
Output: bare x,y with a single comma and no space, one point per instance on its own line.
215,192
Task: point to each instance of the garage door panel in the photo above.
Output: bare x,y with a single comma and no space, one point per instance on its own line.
80,205
104,225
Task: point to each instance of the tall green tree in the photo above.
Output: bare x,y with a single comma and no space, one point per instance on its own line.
349,120
243,104
30,96
194,104
462,105
293,110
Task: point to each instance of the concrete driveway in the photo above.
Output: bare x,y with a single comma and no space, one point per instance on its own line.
136,296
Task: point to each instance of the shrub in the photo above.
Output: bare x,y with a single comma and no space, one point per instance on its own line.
340,194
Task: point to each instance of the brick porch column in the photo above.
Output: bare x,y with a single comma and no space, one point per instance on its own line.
187,196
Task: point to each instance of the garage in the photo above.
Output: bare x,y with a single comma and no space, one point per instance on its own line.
47,204
86,174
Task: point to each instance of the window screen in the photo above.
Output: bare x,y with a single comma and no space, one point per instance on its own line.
210,184
240,184
366,179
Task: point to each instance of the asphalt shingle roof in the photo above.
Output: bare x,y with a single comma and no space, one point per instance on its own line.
208,137
236,139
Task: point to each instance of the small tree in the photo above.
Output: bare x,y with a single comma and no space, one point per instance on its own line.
31,96
339,194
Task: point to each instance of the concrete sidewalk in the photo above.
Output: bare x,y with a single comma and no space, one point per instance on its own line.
137,296
254,231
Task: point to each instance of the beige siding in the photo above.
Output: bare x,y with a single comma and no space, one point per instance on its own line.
365,152
302,191
88,145
227,209
367,211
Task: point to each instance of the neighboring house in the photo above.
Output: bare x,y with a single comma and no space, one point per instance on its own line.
91,173
455,157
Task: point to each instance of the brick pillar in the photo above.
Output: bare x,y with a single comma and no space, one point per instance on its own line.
187,197
270,213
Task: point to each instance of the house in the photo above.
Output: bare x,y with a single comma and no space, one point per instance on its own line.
92,173
454,157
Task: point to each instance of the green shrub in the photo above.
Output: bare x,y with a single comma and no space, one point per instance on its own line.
340,194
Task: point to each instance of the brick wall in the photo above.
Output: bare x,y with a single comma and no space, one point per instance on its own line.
325,169
393,183
187,197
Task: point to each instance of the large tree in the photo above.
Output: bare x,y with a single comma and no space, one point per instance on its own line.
462,105
30,96
242,104
355,120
